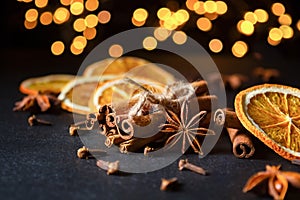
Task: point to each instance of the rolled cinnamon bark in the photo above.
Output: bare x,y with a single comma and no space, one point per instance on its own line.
200,87
242,146
227,118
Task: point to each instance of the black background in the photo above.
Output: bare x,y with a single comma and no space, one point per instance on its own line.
41,163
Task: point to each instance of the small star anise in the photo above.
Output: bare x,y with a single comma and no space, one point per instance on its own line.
31,102
187,129
277,181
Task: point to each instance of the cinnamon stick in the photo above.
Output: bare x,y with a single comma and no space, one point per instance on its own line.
205,102
227,118
242,146
200,87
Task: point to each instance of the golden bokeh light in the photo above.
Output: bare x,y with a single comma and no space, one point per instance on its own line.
211,16
287,31
76,8
74,50
115,50
79,25
221,7
272,42
91,20
137,23
30,25
298,25
181,16
247,27
285,19
140,14
90,33
204,24
262,15
66,2
46,18
104,16
170,23
239,49
91,5
79,42
210,6
25,1
149,43
238,26
199,8
275,34
164,13
57,48
179,37
251,17
190,4
161,33
31,15
61,15
278,9
41,3
215,45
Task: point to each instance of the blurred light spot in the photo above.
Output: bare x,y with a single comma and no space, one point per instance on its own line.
262,15
30,25
211,16
221,7
199,7
251,17
61,15
163,13
91,5
149,43
298,25
239,49
41,3
287,31
190,4
272,42
91,20
278,9
247,28
140,14
210,6
26,1
137,23
285,19
170,23
90,33
275,34
182,16
238,26
115,51
79,25
46,18
215,45
31,15
65,2
179,37
76,8
204,24
57,48
104,16
161,33
79,42
74,50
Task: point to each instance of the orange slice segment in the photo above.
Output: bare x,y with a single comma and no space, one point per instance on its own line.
271,112
50,83
125,64
76,94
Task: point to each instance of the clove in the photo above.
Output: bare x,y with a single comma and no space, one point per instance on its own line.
184,164
33,120
167,183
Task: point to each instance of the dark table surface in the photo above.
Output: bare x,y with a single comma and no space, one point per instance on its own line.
40,162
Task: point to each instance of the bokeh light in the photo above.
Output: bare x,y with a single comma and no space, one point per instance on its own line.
91,5
76,8
46,18
30,25
41,3
262,15
104,16
91,20
199,8
57,48
247,27
79,42
190,4
74,50
179,37
239,49
251,17
221,7
61,15
164,13
140,14
285,19
298,25
90,33
278,9
31,15
287,31
115,50
275,34
161,33
149,43
204,24
66,2
79,25
210,6
215,45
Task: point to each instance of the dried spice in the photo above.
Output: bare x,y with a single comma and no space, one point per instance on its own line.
184,164
167,183
33,121
110,167
277,181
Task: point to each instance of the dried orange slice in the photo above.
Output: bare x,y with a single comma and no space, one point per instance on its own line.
271,112
76,94
122,90
50,83
125,64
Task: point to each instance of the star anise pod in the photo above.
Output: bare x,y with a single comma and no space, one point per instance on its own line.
36,102
277,181
185,128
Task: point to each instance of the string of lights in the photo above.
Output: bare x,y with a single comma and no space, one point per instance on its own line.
171,21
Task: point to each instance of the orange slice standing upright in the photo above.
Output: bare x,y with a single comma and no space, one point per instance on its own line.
271,112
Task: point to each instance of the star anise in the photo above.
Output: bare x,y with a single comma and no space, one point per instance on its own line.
277,181
187,129
34,102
